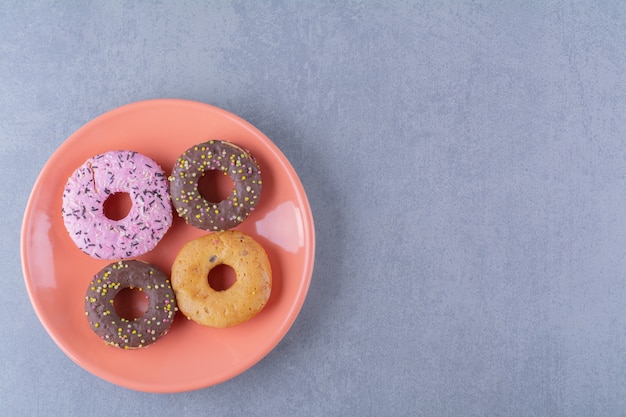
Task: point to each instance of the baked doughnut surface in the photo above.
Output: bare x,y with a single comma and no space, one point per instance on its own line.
119,331
235,305
222,156
103,175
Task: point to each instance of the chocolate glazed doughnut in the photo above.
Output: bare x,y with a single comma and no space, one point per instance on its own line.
221,156
119,331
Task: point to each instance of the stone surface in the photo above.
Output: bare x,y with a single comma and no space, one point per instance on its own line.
465,163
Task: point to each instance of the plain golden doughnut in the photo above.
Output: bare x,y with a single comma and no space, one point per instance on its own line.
235,305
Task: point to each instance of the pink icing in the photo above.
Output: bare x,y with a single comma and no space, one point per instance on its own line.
91,184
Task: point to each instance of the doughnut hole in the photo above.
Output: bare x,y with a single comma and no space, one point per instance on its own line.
117,206
222,277
131,303
215,185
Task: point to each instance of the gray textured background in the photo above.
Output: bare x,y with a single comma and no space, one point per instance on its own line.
466,167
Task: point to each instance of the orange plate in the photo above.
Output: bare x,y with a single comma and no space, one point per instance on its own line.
190,356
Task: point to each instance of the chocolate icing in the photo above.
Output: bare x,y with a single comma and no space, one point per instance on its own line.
222,156
119,331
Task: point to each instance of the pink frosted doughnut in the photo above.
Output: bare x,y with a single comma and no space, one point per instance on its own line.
93,182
